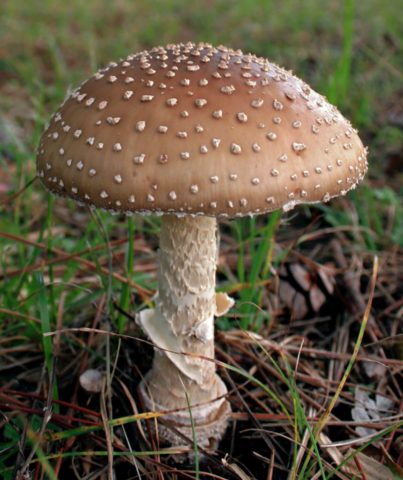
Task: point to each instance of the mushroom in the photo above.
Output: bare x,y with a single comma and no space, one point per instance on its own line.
194,133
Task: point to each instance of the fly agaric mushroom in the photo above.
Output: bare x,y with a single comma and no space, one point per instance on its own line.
193,132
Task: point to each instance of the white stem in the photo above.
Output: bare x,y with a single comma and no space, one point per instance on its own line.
183,322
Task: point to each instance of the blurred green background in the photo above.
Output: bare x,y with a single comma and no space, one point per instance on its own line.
349,50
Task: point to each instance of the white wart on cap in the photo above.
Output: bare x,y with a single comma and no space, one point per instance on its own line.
194,129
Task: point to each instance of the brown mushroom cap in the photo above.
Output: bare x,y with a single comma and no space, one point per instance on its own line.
193,129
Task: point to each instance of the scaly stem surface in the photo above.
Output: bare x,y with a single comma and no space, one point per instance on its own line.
182,328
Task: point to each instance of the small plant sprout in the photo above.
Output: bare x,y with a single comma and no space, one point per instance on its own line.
195,133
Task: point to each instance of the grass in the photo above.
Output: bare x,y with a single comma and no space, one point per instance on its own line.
257,275
61,267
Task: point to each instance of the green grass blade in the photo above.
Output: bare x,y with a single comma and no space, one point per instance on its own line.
341,81
125,295
194,437
261,261
44,317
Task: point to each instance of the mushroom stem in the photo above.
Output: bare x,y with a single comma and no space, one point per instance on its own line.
183,322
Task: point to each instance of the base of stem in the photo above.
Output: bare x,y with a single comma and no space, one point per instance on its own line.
210,420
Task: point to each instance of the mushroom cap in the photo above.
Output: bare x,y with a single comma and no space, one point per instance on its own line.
196,129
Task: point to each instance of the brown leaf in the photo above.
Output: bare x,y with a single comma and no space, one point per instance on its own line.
317,298
293,300
375,370
363,465
301,276
366,409
327,277
360,466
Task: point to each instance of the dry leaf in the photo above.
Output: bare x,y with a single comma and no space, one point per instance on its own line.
304,288
360,466
365,409
293,300
233,467
301,276
367,467
375,370
327,275
316,297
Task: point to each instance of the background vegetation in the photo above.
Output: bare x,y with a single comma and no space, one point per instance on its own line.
302,282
